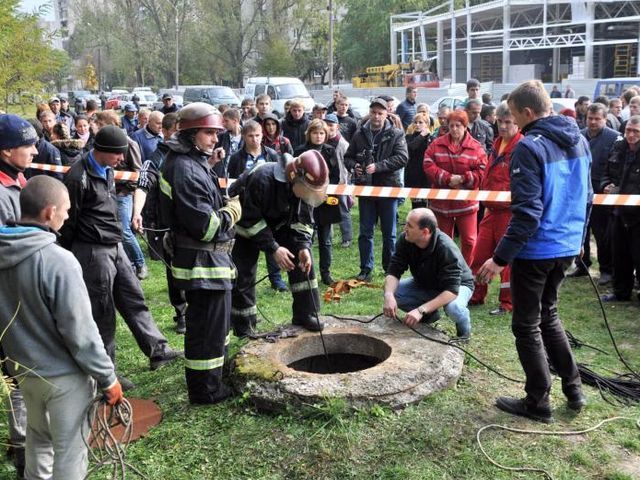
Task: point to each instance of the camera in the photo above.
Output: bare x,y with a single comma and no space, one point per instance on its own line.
363,159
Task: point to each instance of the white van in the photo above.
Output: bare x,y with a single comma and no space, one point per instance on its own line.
280,89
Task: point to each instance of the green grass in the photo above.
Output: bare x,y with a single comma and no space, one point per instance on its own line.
432,440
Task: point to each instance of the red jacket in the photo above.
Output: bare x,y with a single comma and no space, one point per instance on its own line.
498,171
443,159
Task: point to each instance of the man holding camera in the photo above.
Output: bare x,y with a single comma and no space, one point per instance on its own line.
376,154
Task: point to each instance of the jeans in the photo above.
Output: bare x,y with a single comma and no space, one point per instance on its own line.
370,210
346,228
410,295
129,241
540,336
324,247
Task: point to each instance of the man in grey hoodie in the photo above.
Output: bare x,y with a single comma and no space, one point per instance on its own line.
54,346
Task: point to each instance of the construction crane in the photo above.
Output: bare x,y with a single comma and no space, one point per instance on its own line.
414,74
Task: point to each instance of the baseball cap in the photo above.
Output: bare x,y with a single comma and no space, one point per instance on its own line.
130,107
166,96
331,118
379,102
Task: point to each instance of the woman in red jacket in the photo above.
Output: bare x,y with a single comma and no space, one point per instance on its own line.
496,215
457,161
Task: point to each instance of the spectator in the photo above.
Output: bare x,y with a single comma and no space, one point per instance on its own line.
348,125
417,142
443,115
295,124
376,154
70,148
263,104
601,140
481,130
248,107
614,120
433,122
549,187
84,133
143,118
569,92
621,176
473,92
581,111
440,276
92,108
625,98
488,114
486,99
272,136
458,161
93,233
168,105
129,120
497,215
52,346
150,135
60,116
555,93
336,140
47,154
407,109
391,109
48,120
634,109
319,111
231,140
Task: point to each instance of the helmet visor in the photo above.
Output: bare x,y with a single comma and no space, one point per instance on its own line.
313,196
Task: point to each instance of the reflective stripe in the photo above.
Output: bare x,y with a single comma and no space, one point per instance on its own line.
213,273
302,228
209,364
306,285
214,223
227,339
165,187
505,285
245,312
250,231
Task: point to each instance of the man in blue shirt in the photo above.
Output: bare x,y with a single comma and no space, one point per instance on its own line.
550,190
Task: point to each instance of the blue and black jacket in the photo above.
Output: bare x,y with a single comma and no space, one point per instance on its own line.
550,192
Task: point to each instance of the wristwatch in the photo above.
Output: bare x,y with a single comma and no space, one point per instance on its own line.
422,310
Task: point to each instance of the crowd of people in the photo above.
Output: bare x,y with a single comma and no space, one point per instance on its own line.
84,260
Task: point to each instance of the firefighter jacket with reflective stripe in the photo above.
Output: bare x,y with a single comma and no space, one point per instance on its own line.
269,205
192,206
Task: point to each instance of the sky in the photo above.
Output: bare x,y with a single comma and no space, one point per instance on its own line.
31,5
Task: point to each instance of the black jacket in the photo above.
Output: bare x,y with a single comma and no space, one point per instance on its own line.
390,156
193,208
47,154
93,216
269,205
623,170
438,267
294,130
482,131
149,182
238,161
348,127
70,150
414,173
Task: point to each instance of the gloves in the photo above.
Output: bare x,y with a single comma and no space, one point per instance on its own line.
233,208
113,394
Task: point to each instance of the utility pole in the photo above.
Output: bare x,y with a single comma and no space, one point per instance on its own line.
331,44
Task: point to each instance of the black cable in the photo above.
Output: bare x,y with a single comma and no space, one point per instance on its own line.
316,308
606,322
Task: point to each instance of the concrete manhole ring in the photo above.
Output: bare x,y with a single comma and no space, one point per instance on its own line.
384,363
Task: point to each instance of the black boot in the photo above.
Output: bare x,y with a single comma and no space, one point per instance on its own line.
326,278
181,324
311,323
517,406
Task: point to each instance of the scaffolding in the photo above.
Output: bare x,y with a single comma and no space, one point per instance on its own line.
559,38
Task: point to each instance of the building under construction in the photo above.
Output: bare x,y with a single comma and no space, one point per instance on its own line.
512,40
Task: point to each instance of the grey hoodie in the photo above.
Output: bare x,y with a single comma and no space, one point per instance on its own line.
53,332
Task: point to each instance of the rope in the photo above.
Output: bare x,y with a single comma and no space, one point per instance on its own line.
539,432
108,451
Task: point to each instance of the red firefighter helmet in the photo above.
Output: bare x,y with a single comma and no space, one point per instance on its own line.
199,115
309,168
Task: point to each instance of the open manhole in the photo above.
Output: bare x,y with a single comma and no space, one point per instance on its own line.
345,353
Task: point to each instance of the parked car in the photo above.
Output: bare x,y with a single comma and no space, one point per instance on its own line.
451,102
147,99
118,101
176,94
613,87
359,106
212,94
280,89
562,103
142,89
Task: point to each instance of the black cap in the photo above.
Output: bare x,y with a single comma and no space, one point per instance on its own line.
111,139
166,96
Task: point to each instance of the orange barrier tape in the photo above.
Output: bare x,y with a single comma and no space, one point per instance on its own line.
397,192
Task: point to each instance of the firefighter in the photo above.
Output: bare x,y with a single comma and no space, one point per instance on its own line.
277,206
201,224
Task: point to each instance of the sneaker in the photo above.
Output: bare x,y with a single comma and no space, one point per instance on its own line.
576,401
181,324
311,323
364,276
125,383
346,244
278,285
518,406
166,358
498,311
327,279
611,297
605,278
142,271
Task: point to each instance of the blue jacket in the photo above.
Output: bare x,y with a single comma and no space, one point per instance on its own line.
600,147
147,140
406,110
550,192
